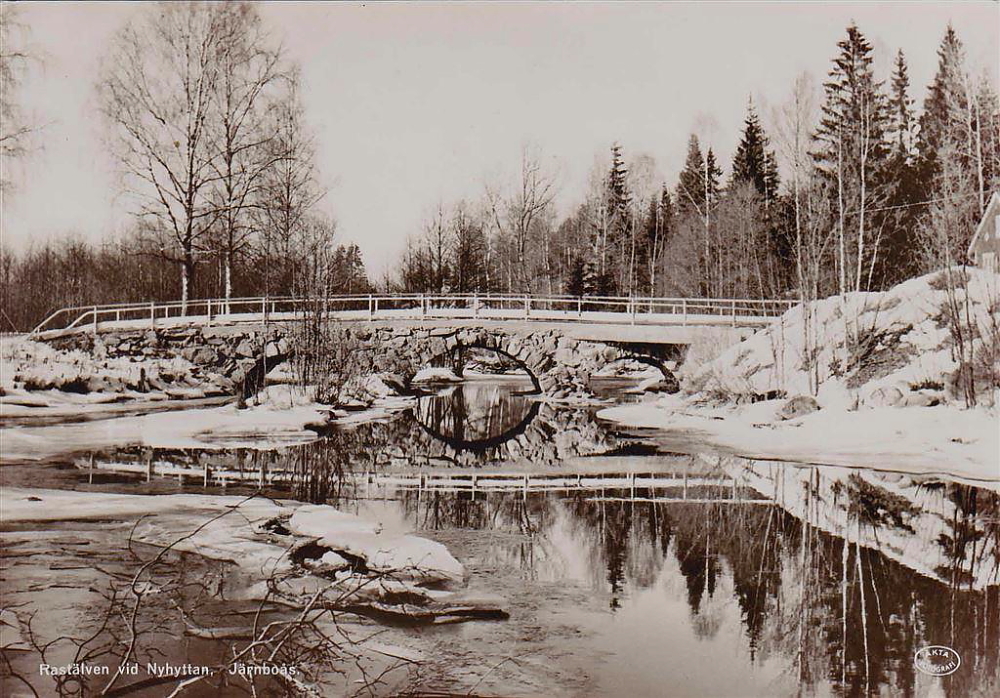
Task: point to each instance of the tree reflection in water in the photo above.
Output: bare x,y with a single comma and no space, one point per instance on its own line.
841,577
845,606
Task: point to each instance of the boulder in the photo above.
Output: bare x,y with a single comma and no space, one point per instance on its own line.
886,396
798,406
246,349
659,384
923,398
203,356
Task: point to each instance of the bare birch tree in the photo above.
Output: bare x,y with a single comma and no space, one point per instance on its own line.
16,129
250,73
516,215
157,88
288,189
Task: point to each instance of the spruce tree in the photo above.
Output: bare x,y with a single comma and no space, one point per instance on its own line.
753,162
576,281
852,154
691,184
712,179
897,260
945,96
618,193
901,109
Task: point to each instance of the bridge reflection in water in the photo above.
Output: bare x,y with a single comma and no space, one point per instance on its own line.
784,578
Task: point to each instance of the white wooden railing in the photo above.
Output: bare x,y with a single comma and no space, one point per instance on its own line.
592,309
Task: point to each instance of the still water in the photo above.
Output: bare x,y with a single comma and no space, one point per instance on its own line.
630,570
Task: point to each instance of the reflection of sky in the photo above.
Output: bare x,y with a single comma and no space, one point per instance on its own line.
660,650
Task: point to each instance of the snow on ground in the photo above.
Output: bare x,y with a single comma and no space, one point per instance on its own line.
890,404
910,343
19,504
233,529
384,551
935,440
436,374
281,418
217,427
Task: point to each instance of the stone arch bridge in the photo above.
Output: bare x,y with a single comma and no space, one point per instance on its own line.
559,359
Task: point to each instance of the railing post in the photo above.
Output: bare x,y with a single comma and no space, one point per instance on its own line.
684,311
579,307
263,308
152,315
734,312
371,307
631,302
527,307
209,311
475,314
376,305
423,306
95,319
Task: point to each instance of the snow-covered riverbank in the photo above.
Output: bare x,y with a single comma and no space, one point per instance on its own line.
926,440
867,380
283,417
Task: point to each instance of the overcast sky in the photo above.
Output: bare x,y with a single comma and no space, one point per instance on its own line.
416,103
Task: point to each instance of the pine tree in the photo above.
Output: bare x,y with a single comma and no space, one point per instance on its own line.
753,162
852,155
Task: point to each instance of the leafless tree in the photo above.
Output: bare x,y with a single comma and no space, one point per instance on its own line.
516,216
288,190
157,90
251,71
16,129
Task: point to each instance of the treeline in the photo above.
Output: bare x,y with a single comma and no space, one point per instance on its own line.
874,192
202,113
72,272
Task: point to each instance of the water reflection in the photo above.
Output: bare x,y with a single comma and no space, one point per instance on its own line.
784,579
476,414
830,594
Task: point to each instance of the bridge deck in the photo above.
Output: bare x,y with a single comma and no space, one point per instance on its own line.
603,311
594,326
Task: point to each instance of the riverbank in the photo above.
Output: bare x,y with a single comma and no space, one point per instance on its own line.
941,440
284,416
905,380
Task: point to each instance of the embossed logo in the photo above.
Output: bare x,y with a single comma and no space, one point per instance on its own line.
937,660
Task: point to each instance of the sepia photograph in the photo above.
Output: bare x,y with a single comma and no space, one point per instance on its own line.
500,349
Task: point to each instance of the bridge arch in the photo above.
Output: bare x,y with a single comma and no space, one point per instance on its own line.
558,364
483,445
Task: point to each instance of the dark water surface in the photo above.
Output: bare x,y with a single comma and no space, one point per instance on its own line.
656,573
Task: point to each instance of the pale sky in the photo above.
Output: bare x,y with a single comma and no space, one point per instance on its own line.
413,103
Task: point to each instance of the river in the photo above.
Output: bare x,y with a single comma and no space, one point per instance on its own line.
630,565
